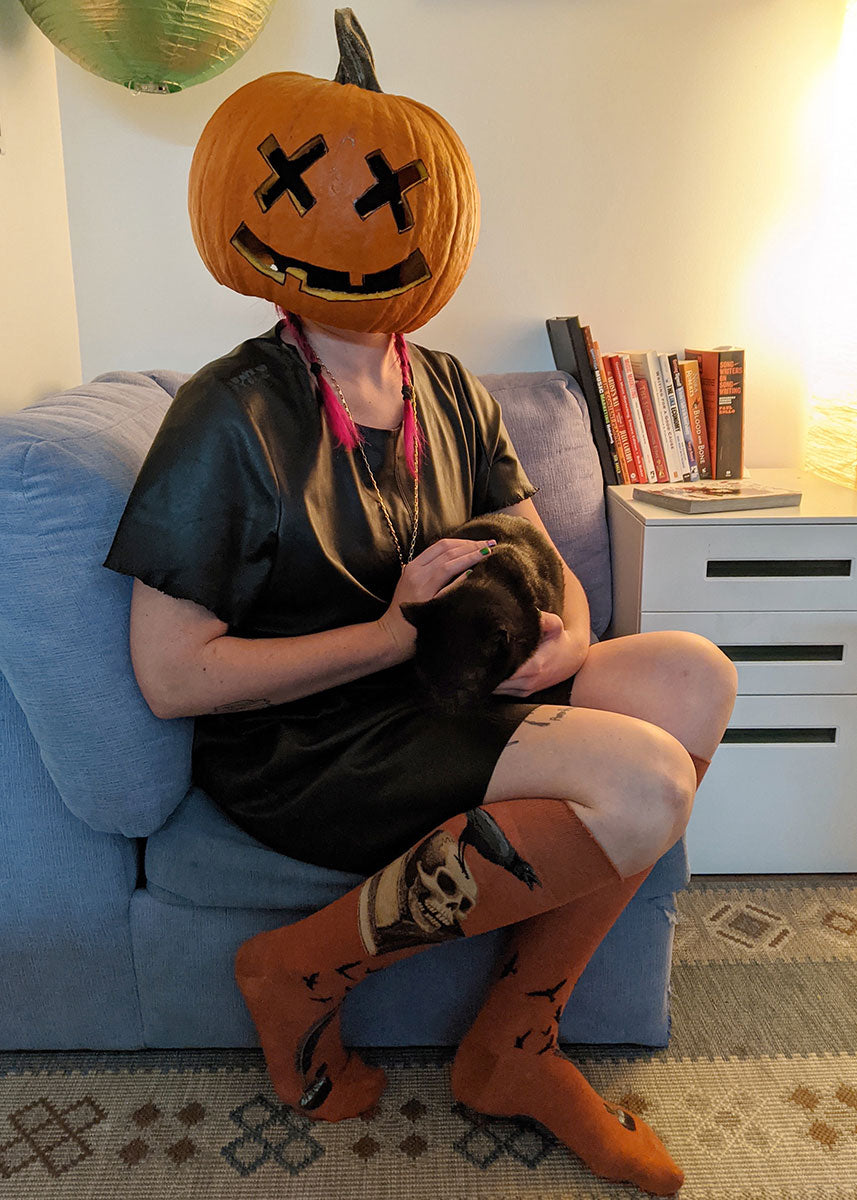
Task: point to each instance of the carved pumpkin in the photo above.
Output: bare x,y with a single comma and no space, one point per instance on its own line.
334,200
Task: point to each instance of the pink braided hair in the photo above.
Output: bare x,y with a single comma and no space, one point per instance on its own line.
339,422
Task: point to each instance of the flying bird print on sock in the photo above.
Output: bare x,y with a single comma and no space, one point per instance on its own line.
510,968
519,1041
310,980
550,993
548,1046
345,968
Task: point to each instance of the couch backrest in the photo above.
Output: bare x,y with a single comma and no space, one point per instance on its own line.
548,422
67,464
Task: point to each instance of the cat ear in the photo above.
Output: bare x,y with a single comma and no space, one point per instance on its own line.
420,614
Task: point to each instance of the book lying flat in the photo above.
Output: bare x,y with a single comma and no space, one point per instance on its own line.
717,495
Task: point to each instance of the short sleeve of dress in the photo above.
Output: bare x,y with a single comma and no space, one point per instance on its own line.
500,479
201,521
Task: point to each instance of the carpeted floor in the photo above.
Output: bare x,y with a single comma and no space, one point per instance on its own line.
756,1095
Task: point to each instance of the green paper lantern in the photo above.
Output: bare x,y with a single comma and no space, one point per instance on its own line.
151,45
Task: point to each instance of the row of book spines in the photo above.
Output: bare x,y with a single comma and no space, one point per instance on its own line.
656,434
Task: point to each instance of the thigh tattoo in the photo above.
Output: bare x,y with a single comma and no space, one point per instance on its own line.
531,720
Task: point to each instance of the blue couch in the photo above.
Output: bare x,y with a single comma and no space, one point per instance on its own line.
123,891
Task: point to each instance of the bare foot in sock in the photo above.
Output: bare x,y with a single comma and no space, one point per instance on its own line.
296,1013
546,1087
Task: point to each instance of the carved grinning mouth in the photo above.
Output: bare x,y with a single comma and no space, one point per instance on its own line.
325,283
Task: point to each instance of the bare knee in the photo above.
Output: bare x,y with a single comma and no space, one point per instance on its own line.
638,823
669,782
628,780
708,675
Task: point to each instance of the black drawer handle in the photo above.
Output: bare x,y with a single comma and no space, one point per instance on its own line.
777,568
753,736
784,654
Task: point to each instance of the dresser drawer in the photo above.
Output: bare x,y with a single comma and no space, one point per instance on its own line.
780,793
787,653
746,568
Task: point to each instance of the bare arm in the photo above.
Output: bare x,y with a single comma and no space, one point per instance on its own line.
187,664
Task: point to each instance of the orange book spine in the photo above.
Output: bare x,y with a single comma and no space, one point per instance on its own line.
614,365
620,433
651,424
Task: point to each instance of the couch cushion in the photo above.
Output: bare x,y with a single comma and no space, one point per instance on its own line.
67,464
548,422
200,857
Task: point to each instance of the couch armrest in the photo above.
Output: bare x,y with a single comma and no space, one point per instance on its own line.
66,467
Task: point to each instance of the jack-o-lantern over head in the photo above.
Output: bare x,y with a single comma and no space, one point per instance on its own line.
334,200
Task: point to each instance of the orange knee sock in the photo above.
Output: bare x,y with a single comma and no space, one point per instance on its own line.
509,1063
478,871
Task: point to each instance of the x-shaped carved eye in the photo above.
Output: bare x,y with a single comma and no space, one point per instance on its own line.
288,170
390,189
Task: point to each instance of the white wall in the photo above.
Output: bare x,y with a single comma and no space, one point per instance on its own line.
650,166
38,326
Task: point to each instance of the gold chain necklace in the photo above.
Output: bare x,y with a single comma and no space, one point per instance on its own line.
414,532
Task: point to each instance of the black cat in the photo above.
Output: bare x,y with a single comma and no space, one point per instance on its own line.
479,631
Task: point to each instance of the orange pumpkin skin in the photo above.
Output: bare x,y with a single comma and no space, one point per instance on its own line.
330,236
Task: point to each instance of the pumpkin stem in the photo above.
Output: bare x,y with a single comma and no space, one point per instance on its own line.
356,64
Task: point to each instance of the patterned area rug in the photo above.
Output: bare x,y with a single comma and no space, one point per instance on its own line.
756,1096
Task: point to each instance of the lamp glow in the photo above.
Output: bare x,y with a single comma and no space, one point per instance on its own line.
831,447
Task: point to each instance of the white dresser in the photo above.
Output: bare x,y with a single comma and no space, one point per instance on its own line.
777,590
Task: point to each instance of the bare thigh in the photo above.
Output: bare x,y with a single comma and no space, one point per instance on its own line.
630,782
677,680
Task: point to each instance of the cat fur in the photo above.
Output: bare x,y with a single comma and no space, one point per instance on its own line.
478,632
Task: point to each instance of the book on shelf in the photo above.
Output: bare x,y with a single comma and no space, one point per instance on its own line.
621,441
612,364
607,416
721,374
671,365
689,369
656,417
675,414
570,354
645,364
717,495
652,432
633,395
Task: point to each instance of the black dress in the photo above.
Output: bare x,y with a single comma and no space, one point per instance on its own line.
246,506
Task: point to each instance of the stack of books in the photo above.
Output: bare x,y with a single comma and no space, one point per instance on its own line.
657,417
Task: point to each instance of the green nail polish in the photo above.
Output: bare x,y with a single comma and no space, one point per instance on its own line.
485,550
466,573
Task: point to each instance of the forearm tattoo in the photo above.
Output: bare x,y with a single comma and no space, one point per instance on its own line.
241,706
